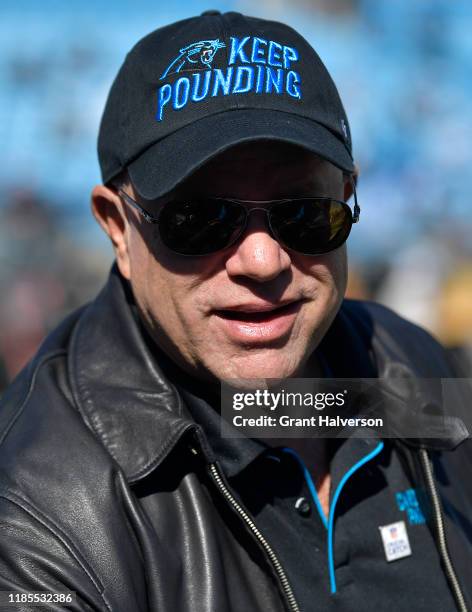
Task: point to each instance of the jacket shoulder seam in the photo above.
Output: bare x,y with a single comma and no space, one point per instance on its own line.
57,532
32,381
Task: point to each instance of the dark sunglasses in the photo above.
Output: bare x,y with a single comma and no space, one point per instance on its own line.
309,225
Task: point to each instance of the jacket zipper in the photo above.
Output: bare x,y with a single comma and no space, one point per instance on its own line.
440,532
284,582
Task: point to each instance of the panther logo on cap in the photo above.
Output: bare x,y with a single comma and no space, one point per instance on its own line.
201,52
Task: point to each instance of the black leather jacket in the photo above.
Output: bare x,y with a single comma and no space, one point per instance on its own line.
108,488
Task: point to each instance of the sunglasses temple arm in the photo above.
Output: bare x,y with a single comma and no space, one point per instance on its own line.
357,208
146,216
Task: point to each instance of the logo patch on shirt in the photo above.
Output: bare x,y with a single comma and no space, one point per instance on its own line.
407,501
395,541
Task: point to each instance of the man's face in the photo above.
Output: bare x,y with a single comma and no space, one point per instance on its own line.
256,309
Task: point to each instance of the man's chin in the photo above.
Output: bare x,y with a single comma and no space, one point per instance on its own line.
258,367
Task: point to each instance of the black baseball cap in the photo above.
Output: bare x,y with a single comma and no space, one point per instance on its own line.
192,89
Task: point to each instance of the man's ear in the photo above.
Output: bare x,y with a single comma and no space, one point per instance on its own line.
108,210
348,180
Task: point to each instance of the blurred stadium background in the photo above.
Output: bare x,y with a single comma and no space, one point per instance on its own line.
404,72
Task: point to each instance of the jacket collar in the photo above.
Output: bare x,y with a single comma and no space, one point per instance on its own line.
139,415
119,389
367,340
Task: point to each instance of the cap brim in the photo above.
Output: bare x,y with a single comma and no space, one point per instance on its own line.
169,161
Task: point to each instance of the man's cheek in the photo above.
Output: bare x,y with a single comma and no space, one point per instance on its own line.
331,270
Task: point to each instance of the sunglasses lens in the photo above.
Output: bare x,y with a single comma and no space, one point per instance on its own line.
200,227
311,226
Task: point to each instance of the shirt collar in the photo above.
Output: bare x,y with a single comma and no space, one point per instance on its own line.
233,453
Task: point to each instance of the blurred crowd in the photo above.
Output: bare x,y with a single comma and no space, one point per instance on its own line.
44,275
403,70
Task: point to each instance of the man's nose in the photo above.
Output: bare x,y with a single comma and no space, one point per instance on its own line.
257,255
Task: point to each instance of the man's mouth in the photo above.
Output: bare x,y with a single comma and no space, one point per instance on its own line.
254,314
258,324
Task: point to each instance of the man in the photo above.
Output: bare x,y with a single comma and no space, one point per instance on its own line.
227,164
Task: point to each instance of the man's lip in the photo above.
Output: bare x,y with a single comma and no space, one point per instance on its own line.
248,311
258,324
